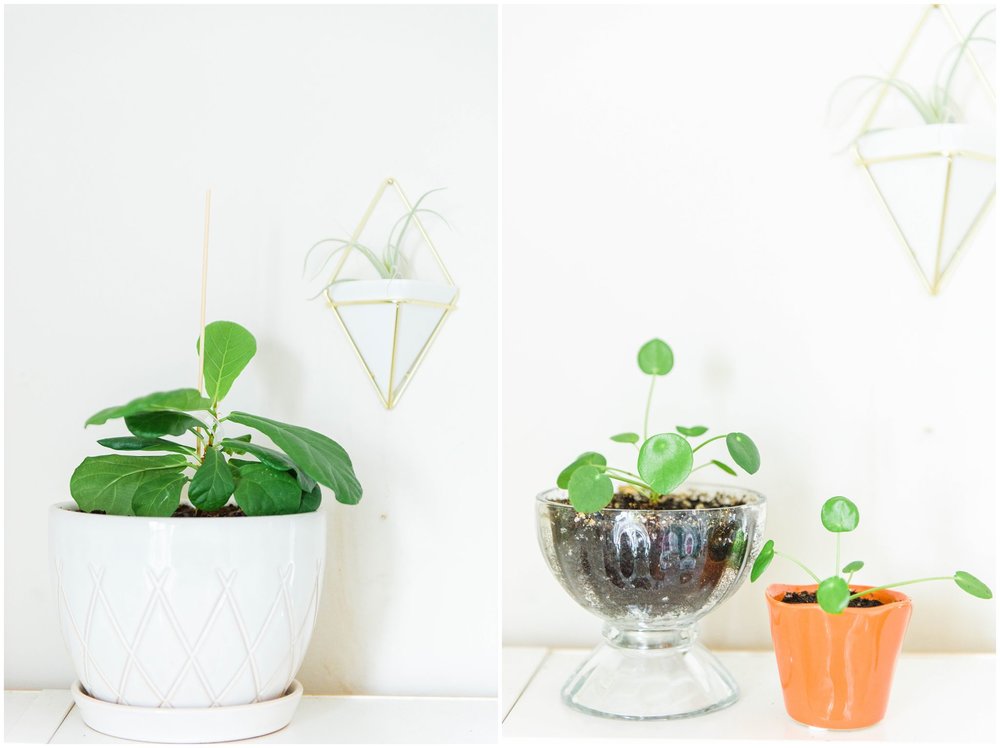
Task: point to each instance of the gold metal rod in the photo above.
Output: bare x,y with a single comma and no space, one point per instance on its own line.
974,155
423,351
895,70
969,55
415,302
359,229
941,228
423,233
357,351
899,230
204,289
965,241
392,358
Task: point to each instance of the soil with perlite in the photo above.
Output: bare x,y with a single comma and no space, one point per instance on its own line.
810,597
628,499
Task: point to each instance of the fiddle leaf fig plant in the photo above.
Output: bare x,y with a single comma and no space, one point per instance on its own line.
840,515
285,480
664,460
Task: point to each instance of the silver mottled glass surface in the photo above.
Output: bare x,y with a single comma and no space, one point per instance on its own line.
652,569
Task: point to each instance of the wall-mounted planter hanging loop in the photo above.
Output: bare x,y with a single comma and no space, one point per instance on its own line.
936,181
391,322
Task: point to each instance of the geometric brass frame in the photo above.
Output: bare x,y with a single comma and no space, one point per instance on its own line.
391,398
942,267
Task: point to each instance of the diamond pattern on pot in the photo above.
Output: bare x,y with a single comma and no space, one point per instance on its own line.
136,649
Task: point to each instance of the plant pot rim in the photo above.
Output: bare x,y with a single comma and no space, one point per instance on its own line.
71,508
891,599
555,497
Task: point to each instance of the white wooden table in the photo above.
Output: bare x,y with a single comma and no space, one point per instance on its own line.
50,717
936,698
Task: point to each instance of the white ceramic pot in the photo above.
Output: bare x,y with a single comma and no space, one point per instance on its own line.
184,611
391,323
914,168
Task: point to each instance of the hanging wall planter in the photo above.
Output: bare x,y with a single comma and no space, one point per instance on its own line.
392,321
936,181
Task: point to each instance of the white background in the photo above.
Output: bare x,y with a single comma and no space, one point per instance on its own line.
668,172
117,120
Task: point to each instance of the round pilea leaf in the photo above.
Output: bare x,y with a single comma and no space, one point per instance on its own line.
972,585
833,595
590,489
692,430
587,458
627,438
763,560
854,566
743,451
656,358
839,514
665,461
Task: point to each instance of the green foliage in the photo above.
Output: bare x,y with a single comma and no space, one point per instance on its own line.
840,515
935,103
664,460
284,480
389,262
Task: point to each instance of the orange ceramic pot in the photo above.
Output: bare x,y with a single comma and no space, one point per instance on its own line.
836,670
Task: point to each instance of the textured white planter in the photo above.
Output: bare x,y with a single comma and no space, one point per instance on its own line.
186,612
391,324
937,183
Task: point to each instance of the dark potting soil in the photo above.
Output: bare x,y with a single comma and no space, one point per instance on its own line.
694,500
186,510
810,597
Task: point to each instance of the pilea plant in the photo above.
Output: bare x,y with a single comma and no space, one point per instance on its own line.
273,482
665,460
389,262
840,515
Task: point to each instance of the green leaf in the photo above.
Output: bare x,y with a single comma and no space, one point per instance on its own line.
311,500
972,585
626,438
160,423
738,549
228,349
271,458
158,494
587,458
763,560
743,451
723,467
110,482
183,399
853,567
692,430
839,514
590,489
213,482
319,456
144,444
656,358
833,595
264,491
665,461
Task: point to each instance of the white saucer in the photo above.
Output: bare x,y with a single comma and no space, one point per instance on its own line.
208,725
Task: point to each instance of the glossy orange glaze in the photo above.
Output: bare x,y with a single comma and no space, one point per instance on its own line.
836,670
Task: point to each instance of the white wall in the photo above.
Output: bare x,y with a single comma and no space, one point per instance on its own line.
117,120
667,172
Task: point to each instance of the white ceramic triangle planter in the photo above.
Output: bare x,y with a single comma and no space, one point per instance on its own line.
937,183
191,618
391,324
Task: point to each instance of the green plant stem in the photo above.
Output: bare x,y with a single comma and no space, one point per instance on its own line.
624,472
709,441
649,402
900,584
798,563
701,466
849,578
836,570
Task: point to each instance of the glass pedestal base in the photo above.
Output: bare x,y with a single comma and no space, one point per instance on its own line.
650,675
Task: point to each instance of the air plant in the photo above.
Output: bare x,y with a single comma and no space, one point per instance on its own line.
665,460
389,262
935,105
840,515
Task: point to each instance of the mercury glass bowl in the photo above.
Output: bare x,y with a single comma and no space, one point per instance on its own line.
650,575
